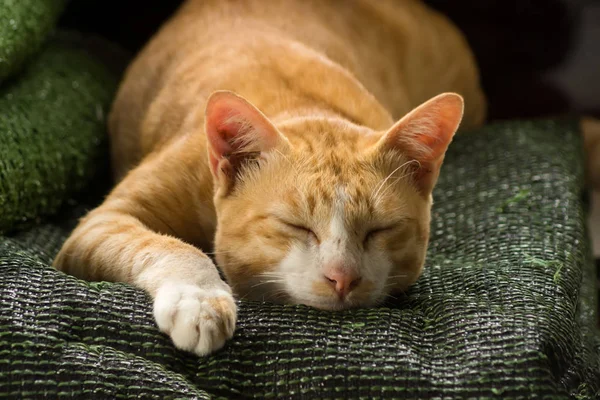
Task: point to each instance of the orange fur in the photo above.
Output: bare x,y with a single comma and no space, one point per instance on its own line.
267,129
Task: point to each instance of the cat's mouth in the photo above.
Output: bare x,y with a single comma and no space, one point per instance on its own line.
324,297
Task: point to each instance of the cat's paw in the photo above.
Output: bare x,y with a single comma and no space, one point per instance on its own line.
197,319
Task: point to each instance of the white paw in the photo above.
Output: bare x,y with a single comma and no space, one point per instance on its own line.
197,319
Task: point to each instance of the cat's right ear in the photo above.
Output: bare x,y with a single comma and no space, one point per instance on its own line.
236,132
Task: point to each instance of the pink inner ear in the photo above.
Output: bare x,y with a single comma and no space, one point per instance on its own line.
425,133
221,128
232,124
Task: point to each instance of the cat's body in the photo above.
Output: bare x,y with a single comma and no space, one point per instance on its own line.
318,198
368,61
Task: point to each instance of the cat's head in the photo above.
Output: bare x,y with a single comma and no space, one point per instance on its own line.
320,211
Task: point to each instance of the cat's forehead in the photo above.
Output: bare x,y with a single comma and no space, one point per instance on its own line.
312,136
326,182
340,200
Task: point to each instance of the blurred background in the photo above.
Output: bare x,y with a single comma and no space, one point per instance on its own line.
537,57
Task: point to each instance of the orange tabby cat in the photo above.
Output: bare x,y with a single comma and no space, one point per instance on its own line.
267,129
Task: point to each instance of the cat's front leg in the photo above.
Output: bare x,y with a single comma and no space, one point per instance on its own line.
141,235
191,302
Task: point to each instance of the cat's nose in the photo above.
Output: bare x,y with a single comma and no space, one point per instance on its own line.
342,281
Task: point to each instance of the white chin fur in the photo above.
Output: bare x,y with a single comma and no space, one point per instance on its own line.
300,268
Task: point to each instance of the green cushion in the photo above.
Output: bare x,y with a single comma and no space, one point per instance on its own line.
505,307
52,130
24,25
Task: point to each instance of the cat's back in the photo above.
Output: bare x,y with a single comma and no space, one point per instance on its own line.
396,49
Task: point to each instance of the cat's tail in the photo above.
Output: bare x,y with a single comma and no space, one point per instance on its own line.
590,128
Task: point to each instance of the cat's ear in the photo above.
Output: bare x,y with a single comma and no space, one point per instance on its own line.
237,132
424,134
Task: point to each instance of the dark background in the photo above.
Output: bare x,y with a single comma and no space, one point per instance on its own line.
537,57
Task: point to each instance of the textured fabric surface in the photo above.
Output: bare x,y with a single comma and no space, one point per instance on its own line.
24,25
504,309
51,130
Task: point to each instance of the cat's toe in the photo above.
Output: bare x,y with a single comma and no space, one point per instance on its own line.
197,319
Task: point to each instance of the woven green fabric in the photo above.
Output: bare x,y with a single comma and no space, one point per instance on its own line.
504,309
51,131
24,25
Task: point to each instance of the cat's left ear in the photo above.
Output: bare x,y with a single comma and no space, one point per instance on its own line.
237,132
424,134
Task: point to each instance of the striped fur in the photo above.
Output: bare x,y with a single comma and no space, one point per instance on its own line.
263,133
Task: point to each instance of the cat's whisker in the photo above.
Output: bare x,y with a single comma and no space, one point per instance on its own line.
390,185
273,294
271,273
375,194
398,276
249,295
277,278
268,282
285,157
390,284
397,179
391,297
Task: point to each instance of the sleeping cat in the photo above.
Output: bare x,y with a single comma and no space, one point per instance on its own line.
299,139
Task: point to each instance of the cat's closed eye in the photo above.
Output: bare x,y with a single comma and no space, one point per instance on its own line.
371,234
299,228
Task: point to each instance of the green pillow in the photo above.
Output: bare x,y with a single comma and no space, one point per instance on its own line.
52,131
24,26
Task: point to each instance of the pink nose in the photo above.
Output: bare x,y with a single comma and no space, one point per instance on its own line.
342,281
